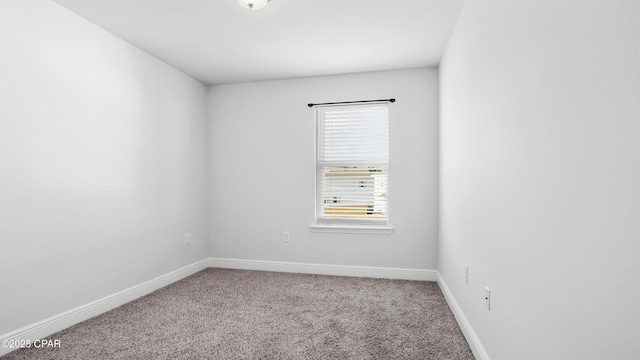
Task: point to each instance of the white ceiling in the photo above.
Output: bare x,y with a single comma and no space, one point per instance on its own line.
217,41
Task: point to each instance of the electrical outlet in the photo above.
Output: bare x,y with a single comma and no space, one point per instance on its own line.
487,298
187,239
466,274
285,237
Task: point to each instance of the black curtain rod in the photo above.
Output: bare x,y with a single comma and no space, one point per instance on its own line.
353,102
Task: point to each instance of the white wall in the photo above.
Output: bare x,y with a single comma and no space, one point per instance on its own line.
262,170
102,164
540,176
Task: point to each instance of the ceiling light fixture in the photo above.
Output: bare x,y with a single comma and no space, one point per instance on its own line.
252,4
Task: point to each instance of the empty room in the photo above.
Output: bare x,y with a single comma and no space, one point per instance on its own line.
320,179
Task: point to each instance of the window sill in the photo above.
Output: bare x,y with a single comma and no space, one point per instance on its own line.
351,229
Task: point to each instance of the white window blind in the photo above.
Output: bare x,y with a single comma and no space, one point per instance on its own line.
352,165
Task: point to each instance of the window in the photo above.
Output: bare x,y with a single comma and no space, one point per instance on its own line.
352,164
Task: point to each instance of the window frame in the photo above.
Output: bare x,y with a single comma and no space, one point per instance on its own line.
350,225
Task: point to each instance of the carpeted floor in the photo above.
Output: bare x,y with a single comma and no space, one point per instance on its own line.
240,314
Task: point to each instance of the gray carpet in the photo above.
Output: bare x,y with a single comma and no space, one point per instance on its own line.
240,314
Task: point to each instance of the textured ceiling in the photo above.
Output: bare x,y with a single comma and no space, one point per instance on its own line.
217,41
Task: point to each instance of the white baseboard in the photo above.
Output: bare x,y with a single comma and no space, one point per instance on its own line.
474,342
71,317
322,269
